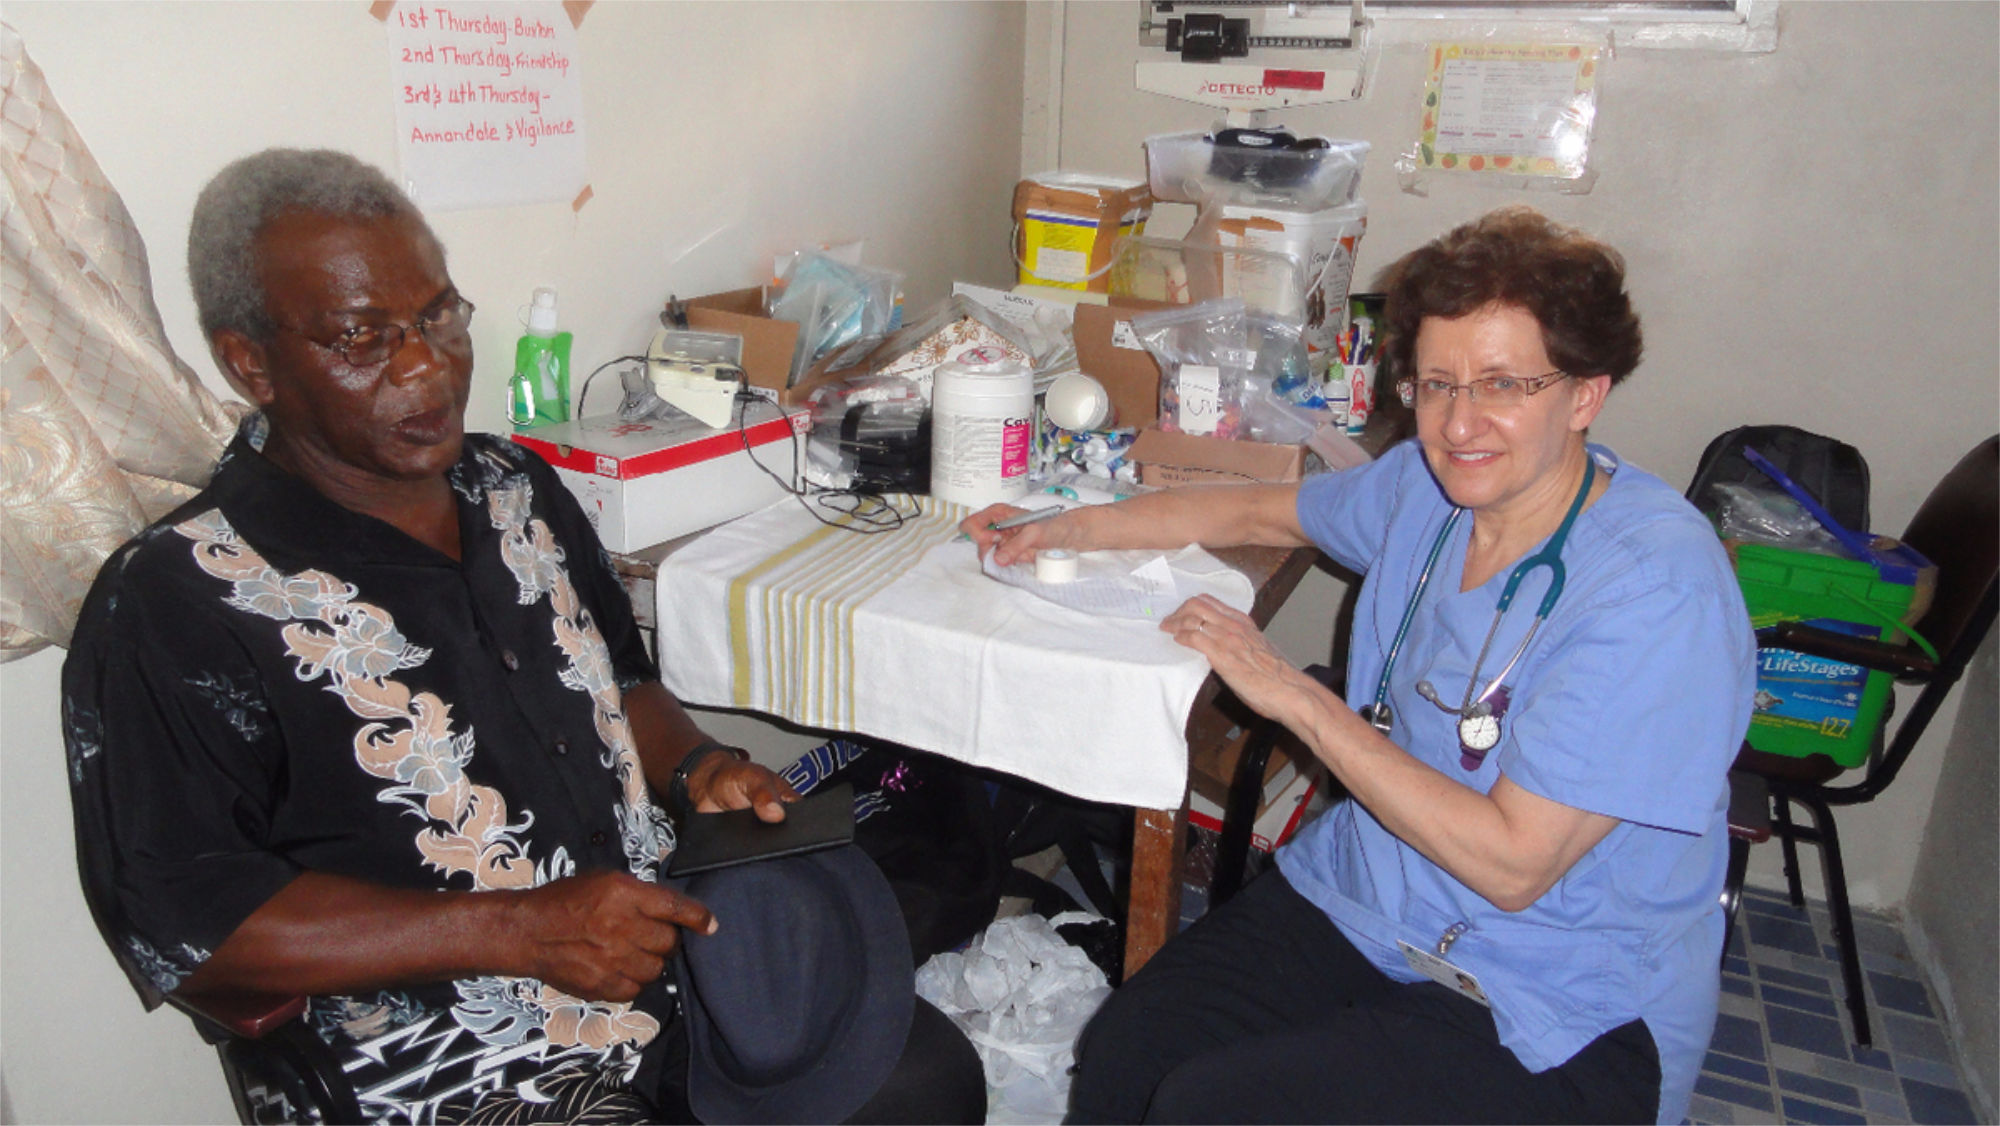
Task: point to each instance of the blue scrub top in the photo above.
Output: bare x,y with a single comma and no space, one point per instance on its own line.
1631,702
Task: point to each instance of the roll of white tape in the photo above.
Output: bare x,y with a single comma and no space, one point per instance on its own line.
1055,566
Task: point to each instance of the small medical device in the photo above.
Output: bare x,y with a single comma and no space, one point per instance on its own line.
697,373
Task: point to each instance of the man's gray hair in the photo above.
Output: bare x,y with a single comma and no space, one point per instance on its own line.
245,196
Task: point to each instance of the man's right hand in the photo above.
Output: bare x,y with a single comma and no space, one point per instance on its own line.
603,936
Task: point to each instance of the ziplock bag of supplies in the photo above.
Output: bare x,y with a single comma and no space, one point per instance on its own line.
1769,516
835,305
1204,355
1282,400
1022,995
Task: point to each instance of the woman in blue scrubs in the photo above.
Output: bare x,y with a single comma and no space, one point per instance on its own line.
1516,916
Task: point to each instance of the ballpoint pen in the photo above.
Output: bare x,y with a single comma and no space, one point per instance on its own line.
1028,517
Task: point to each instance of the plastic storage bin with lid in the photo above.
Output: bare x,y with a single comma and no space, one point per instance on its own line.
1266,189
1807,705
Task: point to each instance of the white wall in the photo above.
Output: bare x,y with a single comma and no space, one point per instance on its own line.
1954,904
1812,237
718,135
1782,214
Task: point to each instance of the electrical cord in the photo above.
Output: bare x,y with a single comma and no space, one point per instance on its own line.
580,395
861,511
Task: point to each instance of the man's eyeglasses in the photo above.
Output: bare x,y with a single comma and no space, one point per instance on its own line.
1495,392
367,345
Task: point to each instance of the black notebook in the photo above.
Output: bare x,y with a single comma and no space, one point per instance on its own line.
716,840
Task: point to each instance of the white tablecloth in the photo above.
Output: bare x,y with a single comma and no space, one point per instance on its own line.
898,635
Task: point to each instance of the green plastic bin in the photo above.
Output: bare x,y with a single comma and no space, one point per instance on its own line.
1809,705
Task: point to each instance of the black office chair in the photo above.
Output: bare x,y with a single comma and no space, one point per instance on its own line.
1246,792
1958,529
277,1069
1836,475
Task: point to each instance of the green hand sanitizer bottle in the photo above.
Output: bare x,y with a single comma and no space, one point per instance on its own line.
538,393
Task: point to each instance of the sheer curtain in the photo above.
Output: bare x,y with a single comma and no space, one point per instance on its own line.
102,427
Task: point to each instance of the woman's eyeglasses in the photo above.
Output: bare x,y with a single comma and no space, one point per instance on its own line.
367,345
1495,392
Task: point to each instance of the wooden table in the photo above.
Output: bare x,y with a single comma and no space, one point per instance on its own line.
1159,836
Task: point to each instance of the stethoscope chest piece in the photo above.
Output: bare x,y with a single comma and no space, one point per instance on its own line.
1380,716
1480,712
1479,730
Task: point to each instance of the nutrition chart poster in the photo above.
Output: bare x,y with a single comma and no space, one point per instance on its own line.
1510,109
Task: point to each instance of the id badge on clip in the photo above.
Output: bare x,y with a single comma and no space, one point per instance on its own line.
1444,973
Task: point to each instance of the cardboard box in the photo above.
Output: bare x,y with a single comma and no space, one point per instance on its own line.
1189,459
1065,224
643,483
1288,793
1107,350
768,344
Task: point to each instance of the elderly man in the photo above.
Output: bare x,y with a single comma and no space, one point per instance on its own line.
370,719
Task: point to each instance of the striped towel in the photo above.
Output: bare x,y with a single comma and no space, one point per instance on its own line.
899,636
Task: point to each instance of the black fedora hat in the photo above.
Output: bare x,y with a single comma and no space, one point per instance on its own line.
799,1005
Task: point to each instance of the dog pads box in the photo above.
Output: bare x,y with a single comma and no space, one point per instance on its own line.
643,483
1193,459
1813,705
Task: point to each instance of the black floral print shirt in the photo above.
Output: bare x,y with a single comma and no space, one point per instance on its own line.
265,682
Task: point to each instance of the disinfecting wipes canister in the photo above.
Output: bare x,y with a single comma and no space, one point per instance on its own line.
982,418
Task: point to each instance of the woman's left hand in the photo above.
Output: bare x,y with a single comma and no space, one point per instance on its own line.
1240,654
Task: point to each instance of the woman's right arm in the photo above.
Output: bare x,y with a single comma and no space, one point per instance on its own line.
1209,515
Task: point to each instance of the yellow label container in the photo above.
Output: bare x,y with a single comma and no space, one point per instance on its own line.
1066,222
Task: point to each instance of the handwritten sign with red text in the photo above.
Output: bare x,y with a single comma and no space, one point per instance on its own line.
489,103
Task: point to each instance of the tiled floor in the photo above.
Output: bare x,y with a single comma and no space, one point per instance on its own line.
1782,1051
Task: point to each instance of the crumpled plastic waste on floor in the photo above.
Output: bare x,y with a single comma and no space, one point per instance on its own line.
1022,995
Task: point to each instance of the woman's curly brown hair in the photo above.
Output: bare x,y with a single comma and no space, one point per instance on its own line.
1572,284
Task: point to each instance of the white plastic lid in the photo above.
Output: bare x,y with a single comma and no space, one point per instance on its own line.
542,314
1004,368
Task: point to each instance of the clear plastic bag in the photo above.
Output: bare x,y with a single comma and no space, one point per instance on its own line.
1204,356
836,305
1283,402
1022,995
1510,111
1770,517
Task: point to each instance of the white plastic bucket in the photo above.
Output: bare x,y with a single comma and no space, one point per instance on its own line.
982,424
1325,242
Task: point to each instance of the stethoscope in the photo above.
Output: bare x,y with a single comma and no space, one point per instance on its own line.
1479,715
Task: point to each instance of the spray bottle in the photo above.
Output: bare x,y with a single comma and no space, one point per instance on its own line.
538,393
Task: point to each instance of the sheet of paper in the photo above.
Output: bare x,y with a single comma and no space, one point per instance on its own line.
1127,584
489,103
